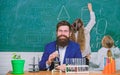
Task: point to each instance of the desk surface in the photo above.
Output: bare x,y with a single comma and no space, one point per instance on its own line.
61,73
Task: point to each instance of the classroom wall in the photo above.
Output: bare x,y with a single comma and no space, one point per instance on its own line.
27,25
5,60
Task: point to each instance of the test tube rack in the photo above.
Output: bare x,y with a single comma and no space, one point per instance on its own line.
76,65
34,66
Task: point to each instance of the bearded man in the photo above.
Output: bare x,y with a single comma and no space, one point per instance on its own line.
62,48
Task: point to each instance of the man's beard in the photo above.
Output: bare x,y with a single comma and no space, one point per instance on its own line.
62,41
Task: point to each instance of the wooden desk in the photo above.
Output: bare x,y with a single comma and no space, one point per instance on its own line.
61,73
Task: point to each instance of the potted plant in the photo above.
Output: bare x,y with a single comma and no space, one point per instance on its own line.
17,64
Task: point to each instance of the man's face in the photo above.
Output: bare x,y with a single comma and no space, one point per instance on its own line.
63,30
63,35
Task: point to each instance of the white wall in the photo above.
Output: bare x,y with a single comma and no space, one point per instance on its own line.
5,60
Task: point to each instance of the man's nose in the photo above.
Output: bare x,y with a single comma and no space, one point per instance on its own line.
62,33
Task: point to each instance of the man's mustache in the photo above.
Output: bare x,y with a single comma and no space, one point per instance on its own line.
62,36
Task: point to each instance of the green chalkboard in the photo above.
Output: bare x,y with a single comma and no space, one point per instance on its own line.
28,25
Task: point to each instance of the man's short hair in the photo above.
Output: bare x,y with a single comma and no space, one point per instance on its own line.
63,23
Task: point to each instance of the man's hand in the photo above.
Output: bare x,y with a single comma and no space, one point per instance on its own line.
52,57
61,67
